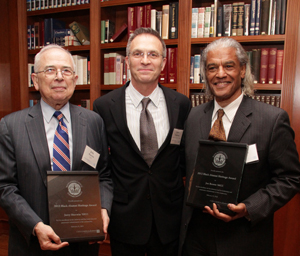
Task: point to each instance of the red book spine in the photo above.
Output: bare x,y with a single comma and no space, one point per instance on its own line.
119,34
147,16
272,65
264,60
279,65
172,65
163,78
131,18
139,16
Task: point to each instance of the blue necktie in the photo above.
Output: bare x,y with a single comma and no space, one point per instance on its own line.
61,152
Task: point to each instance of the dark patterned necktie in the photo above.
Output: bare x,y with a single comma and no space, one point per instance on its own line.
217,131
61,152
148,137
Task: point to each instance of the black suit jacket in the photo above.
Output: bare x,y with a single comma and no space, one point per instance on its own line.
142,194
266,185
24,161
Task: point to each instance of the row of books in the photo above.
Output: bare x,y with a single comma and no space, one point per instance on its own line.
52,30
261,17
34,5
266,66
169,73
272,99
165,21
115,69
82,69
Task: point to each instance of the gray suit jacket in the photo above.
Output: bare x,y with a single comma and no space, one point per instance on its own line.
24,161
266,185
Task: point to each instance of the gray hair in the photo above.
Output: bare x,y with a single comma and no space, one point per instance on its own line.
226,42
37,58
150,31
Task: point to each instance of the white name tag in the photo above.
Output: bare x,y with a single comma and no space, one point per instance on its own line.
176,136
252,155
90,156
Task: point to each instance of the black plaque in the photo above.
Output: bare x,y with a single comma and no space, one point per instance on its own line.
75,206
217,174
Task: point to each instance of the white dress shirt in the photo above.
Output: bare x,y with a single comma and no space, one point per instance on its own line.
51,122
157,107
229,110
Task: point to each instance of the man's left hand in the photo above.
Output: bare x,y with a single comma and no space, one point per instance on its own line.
239,209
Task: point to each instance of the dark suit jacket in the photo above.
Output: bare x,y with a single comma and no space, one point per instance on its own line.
142,194
25,160
266,185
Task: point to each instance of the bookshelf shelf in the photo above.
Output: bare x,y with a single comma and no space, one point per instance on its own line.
126,2
58,10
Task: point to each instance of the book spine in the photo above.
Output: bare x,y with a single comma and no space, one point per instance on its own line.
201,17
240,19
29,37
192,69
106,68
197,69
159,22
234,19
227,13
247,20
207,21
265,8
279,66
257,17
283,17
153,19
271,14
172,65
252,18
119,33
278,17
212,21
165,21
220,21
194,22
264,64
131,20
272,65
102,31
173,30
147,16
139,16
163,78
256,54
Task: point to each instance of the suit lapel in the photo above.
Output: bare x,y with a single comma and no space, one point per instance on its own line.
79,133
241,121
205,124
118,111
36,133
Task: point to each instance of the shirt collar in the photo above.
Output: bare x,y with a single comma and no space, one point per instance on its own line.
137,97
230,109
49,111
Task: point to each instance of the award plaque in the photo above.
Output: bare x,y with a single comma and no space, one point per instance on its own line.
74,205
217,175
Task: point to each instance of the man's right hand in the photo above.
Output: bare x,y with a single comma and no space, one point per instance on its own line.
47,238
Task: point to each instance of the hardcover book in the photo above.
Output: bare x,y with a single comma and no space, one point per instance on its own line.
227,10
264,64
81,32
49,26
172,65
256,54
265,9
173,22
194,22
279,66
272,65
165,21
252,18
159,22
207,21
131,20
234,24
201,17
197,69
219,21
240,19
257,17
247,19
147,15
119,34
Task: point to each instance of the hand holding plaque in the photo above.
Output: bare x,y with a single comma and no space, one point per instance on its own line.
217,175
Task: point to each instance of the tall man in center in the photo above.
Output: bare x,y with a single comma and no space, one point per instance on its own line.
147,157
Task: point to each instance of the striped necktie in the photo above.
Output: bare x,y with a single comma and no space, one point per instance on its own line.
61,152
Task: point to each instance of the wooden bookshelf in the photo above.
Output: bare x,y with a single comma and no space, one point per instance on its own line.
15,93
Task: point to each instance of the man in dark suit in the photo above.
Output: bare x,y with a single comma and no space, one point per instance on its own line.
26,152
148,191
267,183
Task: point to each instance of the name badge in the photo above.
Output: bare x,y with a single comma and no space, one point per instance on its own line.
252,155
176,136
90,157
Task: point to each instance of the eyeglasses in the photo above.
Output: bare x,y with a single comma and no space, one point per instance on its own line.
152,55
52,72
